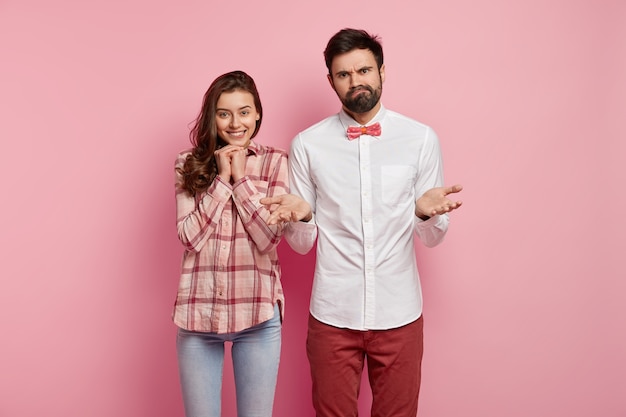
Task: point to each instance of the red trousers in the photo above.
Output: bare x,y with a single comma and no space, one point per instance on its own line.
394,362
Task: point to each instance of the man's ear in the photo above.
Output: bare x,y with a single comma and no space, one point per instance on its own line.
330,80
382,73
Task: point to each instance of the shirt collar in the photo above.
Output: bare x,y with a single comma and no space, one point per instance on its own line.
253,148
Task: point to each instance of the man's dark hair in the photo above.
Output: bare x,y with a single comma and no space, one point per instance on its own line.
348,39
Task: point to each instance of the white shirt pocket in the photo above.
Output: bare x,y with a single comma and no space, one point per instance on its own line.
396,183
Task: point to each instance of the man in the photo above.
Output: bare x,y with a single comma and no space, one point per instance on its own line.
371,179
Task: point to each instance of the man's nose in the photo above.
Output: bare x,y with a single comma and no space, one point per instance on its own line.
355,80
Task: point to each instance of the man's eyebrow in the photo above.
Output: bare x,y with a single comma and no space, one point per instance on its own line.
368,67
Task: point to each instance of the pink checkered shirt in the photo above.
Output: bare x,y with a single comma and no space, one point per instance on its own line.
230,276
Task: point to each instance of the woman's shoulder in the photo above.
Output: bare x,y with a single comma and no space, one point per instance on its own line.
184,153
268,150
182,156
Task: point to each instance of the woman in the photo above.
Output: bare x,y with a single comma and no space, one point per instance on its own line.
230,287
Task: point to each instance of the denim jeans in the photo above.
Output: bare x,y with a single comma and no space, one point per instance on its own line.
255,354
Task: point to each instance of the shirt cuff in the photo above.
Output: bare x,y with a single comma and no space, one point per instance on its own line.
428,221
220,190
311,220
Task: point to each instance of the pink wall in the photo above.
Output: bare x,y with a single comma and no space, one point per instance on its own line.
524,300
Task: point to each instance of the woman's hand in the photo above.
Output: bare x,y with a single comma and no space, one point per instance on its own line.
238,164
223,158
286,208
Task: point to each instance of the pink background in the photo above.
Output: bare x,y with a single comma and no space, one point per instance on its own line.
524,301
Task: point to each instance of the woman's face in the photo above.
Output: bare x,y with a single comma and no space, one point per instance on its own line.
236,117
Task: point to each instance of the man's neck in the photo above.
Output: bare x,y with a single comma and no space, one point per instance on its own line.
364,118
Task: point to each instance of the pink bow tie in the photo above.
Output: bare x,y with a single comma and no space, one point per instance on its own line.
356,131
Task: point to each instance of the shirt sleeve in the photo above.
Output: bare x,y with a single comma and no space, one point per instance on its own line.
253,214
197,218
301,236
432,231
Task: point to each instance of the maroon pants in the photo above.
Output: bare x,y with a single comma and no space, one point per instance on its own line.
394,361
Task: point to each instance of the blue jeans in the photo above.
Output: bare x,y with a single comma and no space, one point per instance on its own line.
255,353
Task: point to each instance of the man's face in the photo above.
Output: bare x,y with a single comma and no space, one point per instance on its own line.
356,80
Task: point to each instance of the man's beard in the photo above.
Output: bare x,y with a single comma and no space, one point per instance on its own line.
363,102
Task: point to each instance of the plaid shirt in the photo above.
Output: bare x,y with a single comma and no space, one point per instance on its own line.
230,276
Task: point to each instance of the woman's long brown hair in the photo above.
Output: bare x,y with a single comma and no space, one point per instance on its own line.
200,167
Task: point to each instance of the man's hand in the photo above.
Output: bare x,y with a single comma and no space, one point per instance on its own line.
287,208
435,201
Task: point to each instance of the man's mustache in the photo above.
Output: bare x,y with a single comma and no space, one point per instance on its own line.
359,88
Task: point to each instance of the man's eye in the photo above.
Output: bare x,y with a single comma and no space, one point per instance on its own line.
245,113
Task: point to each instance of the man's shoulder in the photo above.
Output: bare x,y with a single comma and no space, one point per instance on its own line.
396,117
407,126
329,123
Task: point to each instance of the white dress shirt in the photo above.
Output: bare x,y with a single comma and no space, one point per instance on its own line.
362,193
